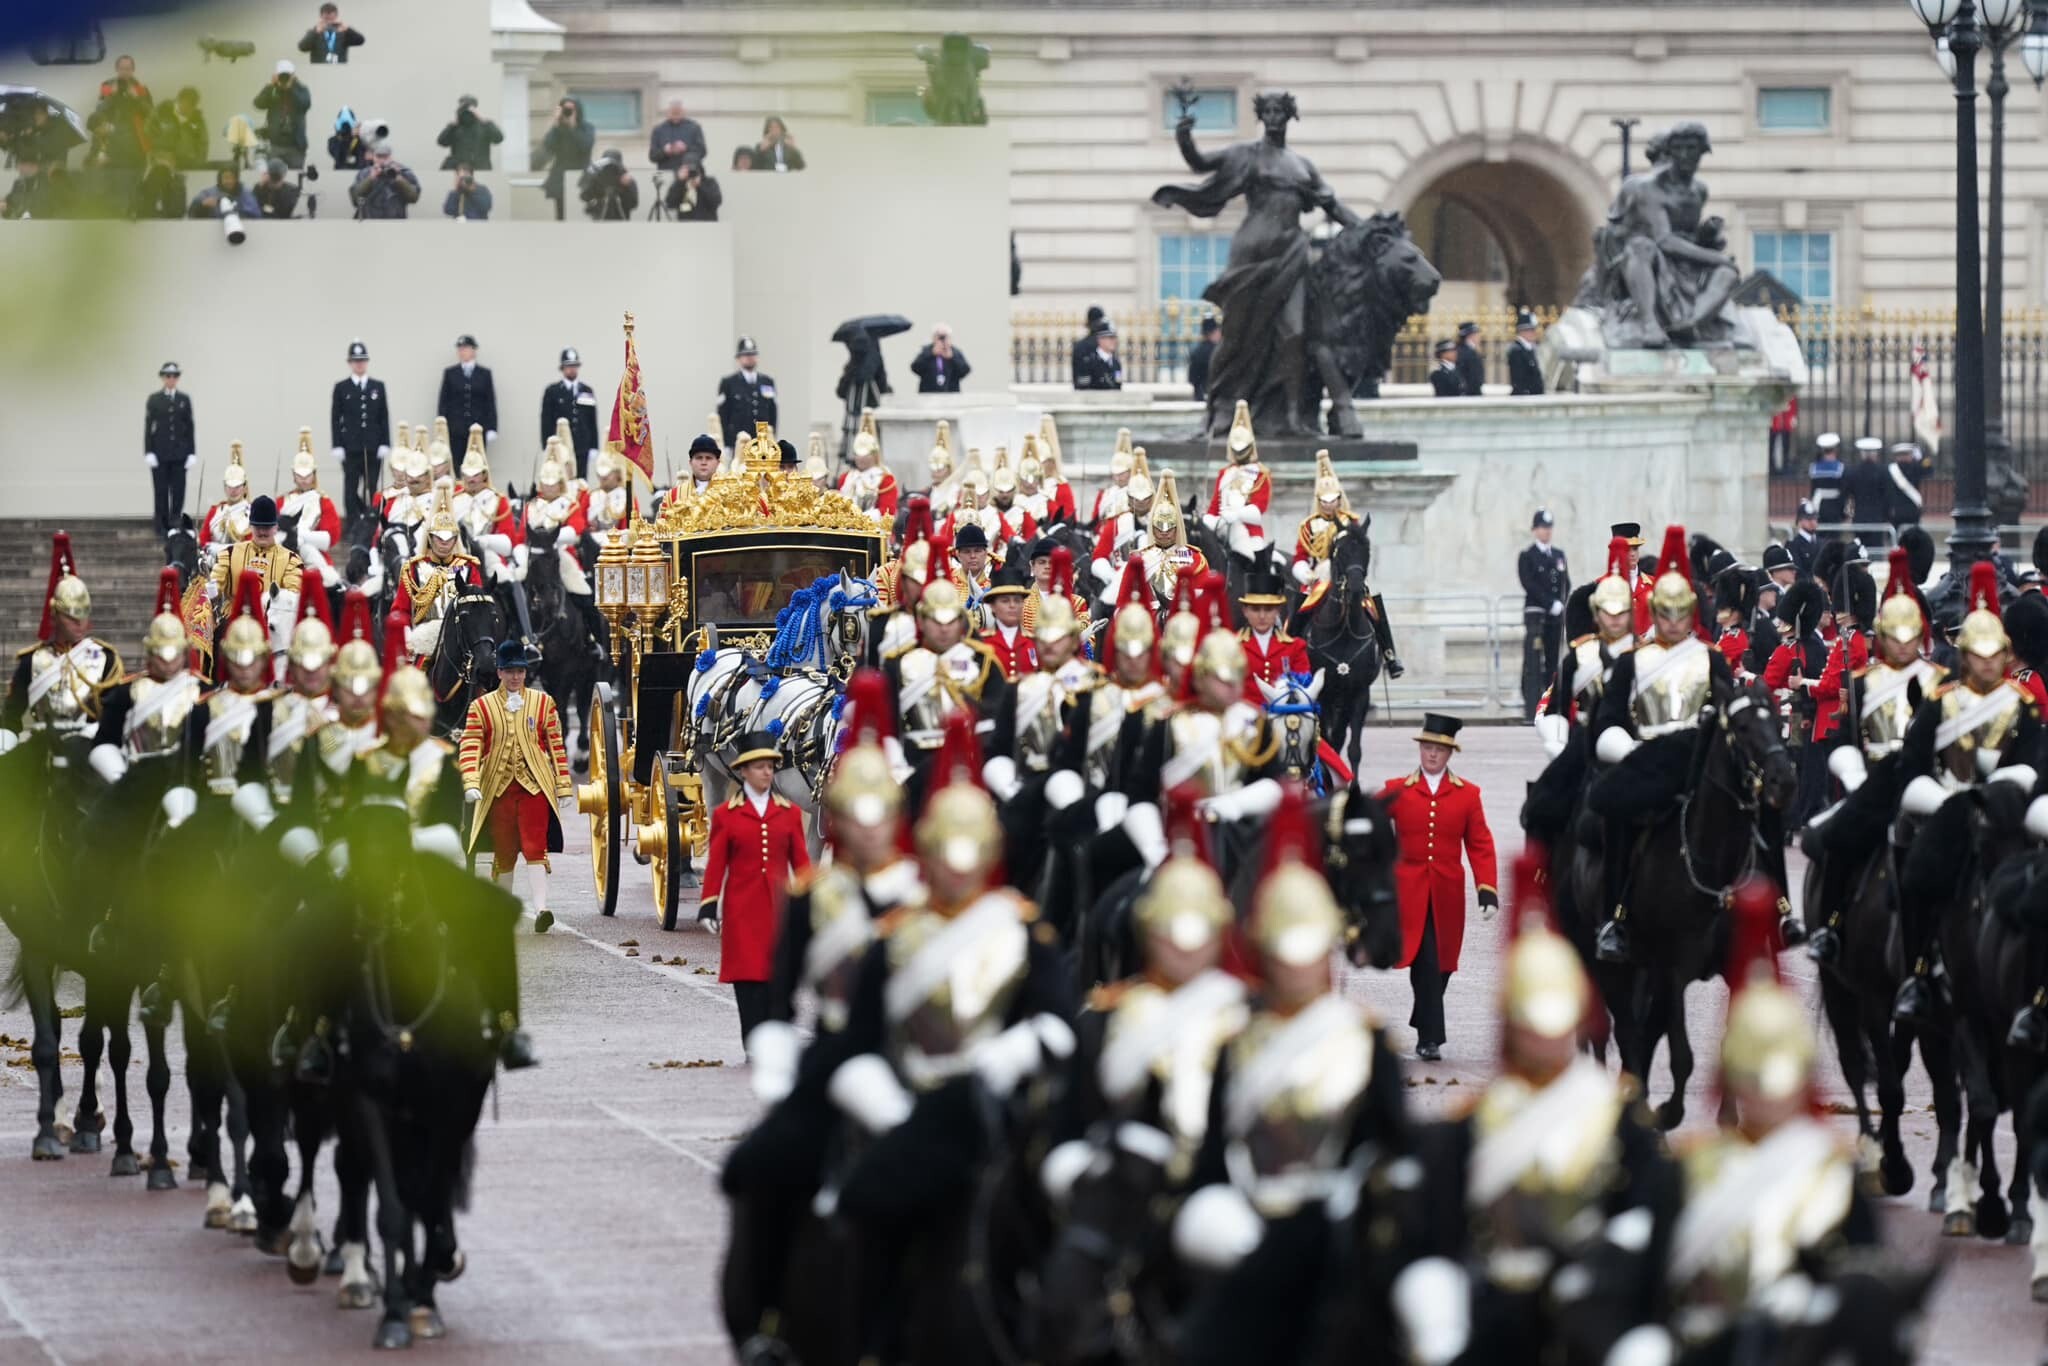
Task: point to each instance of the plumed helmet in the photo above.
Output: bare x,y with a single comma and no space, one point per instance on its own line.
1329,489
551,475
356,668
312,642
1544,988
1056,617
1184,902
1220,656
475,462
1673,590
1164,522
940,603
1768,1047
408,693
441,523
863,786
1120,459
235,478
958,828
71,598
1613,593
167,637
1983,632
1295,918
245,641
1242,445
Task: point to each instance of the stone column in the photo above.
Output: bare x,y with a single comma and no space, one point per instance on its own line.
520,38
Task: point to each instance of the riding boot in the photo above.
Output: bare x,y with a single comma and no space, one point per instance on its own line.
1915,1000
1825,945
1610,945
1383,631
537,884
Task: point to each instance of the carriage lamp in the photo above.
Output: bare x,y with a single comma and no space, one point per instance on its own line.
647,583
610,589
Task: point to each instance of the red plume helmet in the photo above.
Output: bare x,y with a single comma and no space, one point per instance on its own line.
61,563
1187,834
1621,560
248,596
959,755
867,714
1983,589
1676,559
1899,584
958,764
917,518
355,617
1062,572
1769,1039
395,657
313,603
168,591
1131,589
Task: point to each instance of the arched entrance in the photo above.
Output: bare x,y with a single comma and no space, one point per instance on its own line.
1503,231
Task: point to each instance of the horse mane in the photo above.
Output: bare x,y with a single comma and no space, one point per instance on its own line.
799,626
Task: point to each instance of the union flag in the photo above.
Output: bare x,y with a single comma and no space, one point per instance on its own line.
630,431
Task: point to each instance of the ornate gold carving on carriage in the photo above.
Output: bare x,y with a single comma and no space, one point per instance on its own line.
710,572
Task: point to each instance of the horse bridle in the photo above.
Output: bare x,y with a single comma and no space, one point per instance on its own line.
1747,795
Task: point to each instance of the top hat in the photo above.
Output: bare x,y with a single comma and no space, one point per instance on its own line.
569,357
756,744
1012,579
1263,589
1632,532
358,351
746,347
169,367
1438,729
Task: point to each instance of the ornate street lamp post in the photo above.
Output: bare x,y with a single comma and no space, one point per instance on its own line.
1974,537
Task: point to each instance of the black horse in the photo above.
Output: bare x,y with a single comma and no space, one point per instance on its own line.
464,664
1683,867
572,658
1342,641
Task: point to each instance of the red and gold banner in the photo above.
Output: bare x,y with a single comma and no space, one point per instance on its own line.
629,413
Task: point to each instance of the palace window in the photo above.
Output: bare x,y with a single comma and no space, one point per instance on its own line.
896,108
1794,109
1803,261
610,111
1188,261
1215,110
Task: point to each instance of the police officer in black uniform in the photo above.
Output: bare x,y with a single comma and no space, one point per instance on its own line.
1098,366
1471,365
1525,374
1445,379
746,396
1203,354
1546,583
168,445
468,397
577,401
359,422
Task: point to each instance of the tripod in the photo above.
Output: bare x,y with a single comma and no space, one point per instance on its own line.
657,207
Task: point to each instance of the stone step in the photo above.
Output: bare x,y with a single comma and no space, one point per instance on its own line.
120,558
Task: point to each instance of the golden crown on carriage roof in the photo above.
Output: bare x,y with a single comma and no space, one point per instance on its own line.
763,454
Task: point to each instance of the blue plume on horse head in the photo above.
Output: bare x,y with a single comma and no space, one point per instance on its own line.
776,727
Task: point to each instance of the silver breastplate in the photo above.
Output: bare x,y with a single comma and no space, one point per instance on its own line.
1291,1106
947,992
1216,753
1975,731
229,715
157,729
1672,683
1589,673
840,934
61,687
1887,698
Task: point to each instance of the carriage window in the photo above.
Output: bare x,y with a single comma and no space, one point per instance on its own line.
748,587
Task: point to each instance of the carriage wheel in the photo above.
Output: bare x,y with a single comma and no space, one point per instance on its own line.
670,866
601,800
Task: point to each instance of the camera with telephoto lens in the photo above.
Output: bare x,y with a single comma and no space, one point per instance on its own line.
231,223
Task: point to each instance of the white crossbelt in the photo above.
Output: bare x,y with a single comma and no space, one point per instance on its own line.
162,698
1971,717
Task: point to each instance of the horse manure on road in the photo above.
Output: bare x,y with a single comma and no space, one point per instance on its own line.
676,1064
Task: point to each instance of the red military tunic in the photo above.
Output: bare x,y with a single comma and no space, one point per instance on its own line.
1018,657
1432,828
2033,682
1733,644
1280,654
1827,693
746,876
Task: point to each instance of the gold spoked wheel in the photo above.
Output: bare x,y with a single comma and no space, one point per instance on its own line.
601,801
675,860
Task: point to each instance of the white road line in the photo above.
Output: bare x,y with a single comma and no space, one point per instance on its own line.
652,1137
689,979
12,1308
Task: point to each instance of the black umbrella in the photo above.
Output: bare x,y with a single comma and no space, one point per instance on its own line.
872,325
863,381
18,104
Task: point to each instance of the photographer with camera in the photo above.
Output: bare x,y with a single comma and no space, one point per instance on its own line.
694,197
607,189
469,138
676,141
468,200
123,115
384,188
330,39
284,103
349,144
180,126
32,195
777,150
277,196
566,147
227,194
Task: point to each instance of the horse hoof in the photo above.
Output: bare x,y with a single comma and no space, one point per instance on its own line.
2021,1233
1992,1218
272,1242
1959,1224
392,1336
1897,1173
125,1164
1670,1114
425,1322
85,1141
1937,1199
161,1177
458,1264
242,1217
218,1205
47,1147
302,1260
356,1295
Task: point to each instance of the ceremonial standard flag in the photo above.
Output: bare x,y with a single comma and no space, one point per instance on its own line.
629,413
1926,403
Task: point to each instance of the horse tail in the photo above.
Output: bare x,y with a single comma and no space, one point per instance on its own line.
465,1171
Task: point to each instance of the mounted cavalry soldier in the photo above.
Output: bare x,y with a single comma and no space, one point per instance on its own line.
1121,534
292,716
227,521
1645,727
829,922
53,700
1772,1205
1243,492
487,515
611,502
1330,518
1002,603
1599,623
900,583
945,673
276,569
1123,467
1059,494
924,1057
230,712
556,521
1864,757
1048,579
431,580
869,484
1165,551
515,773
1979,726
146,722
944,489
1552,1204
403,508
1042,726
1299,1095
316,525
357,675
1271,655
